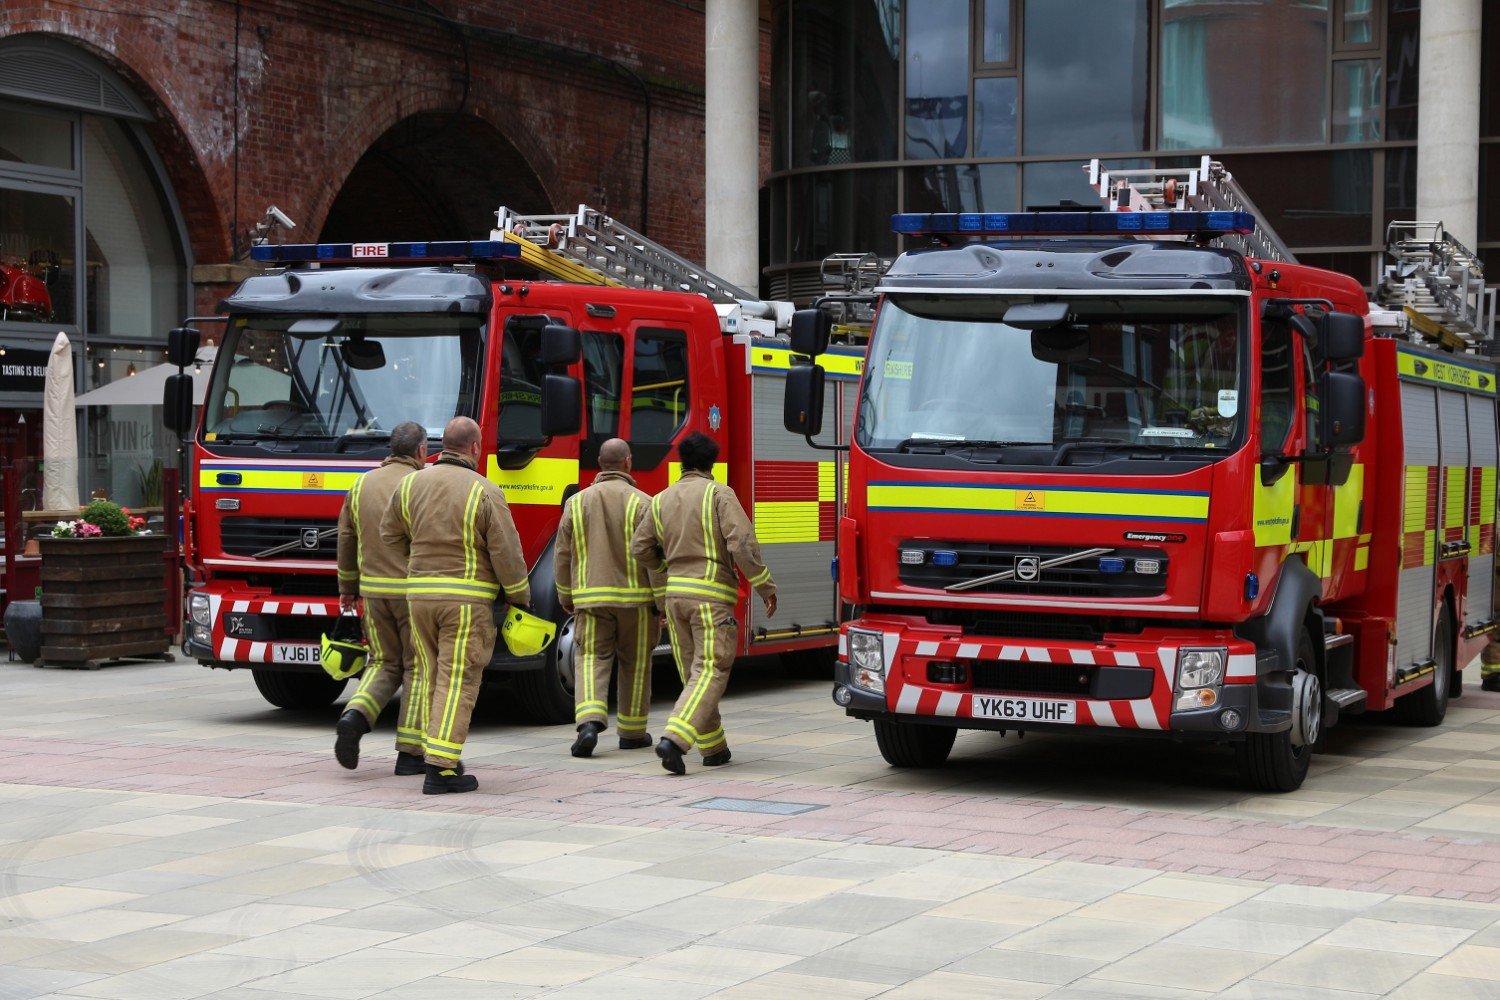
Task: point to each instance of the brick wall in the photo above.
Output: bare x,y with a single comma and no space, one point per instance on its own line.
523,101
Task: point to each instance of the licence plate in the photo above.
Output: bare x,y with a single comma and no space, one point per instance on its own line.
292,652
1024,709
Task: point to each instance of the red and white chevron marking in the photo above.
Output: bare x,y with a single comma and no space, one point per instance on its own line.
245,650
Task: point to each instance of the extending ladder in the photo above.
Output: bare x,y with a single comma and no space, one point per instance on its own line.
592,248
1438,283
1208,187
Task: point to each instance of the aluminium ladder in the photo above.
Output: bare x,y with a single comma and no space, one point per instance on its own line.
1207,187
1438,283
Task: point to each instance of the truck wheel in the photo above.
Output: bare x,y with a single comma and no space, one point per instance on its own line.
905,745
1428,706
810,664
1272,762
286,689
547,694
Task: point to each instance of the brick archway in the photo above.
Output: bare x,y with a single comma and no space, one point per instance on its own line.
433,176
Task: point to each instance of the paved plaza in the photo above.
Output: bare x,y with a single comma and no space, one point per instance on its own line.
166,834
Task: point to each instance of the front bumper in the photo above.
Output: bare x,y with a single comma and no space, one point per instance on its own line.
1125,682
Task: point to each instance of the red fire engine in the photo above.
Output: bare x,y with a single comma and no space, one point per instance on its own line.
329,350
1101,479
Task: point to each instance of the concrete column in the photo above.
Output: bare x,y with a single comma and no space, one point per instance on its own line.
1448,117
731,140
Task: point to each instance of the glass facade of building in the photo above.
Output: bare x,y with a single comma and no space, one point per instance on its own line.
993,105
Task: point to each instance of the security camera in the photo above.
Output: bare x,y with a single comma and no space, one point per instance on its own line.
276,215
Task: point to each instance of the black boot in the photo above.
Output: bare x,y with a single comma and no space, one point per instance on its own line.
717,759
588,738
410,763
447,779
1490,682
671,757
351,726
640,742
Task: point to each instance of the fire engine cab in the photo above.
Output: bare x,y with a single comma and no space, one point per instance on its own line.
1137,469
555,335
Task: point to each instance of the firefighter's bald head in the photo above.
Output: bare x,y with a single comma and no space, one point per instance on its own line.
461,435
614,456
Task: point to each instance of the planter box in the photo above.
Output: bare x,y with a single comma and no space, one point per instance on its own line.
103,598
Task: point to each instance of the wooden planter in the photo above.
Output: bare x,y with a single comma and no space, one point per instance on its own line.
103,598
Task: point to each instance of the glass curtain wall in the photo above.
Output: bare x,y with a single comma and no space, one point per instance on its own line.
995,105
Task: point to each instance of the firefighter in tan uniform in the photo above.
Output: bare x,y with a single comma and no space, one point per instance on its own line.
371,569
698,532
464,554
610,594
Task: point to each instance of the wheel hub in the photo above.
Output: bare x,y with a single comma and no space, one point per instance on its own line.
1307,709
567,649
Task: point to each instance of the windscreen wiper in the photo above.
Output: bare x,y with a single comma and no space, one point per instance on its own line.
362,438
945,444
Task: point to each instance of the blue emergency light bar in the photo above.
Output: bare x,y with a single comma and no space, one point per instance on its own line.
375,253
1166,223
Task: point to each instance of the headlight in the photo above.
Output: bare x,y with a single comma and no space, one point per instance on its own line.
201,635
1200,668
198,609
867,661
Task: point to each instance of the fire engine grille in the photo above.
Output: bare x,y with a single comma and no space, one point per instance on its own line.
1083,578
1029,678
245,536
296,584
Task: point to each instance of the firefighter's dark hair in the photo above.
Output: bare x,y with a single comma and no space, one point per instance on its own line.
407,439
698,452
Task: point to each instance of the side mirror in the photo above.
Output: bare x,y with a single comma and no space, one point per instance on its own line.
363,355
1342,336
802,409
177,403
562,404
1341,418
561,345
182,346
811,329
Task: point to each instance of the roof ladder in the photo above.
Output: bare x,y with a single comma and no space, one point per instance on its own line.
591,247
1207,187
1439,284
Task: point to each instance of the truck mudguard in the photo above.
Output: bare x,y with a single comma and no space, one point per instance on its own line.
1297,591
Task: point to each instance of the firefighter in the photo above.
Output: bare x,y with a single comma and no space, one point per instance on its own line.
697,534
1489,665
463,554
371,569
611,597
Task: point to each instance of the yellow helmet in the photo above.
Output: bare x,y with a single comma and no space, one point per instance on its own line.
526,634
344,652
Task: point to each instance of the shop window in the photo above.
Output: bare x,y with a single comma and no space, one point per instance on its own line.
37,262
135,267
128,444
937,84
1207,104
35,137
1084,70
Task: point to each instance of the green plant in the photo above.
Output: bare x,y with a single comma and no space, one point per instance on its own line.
149,479
109,517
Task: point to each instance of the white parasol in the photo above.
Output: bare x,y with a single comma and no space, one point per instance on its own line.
60,430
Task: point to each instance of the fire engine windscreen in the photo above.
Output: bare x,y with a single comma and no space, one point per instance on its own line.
340,383
1122,375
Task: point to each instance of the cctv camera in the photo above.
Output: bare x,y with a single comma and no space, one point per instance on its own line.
281,218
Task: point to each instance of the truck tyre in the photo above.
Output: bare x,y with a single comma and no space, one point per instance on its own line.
905,745
286,689
546,695
1428,706
1271,762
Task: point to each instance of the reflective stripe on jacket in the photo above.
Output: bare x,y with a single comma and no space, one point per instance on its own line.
367,565
698,533
457,529
594,566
